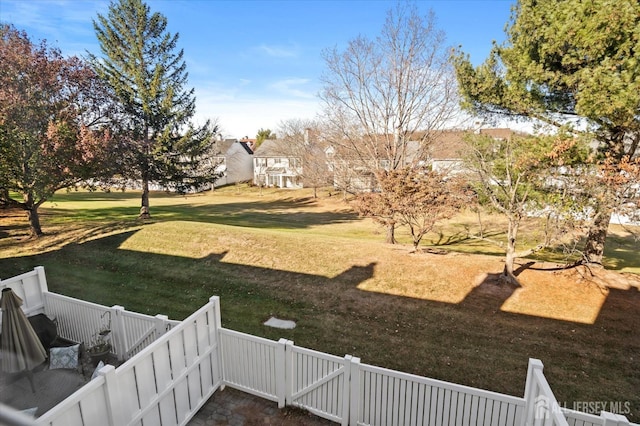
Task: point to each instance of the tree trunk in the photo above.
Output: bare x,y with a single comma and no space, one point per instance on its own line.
391,233
594,246
32,214
510,256
144,209
4,195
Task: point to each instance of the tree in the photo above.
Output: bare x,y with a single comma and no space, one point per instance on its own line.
148,76
302,140
522,176
262,135
562,61
51,111
381,94
413,198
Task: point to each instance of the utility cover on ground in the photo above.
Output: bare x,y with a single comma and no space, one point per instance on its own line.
279,323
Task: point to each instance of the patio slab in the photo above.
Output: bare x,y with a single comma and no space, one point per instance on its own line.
52,387
231,407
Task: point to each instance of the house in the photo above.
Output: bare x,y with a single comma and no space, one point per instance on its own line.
276,166
446,150
233,160
441,151
353,171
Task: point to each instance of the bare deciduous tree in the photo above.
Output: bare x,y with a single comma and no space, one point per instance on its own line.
302,140
380,94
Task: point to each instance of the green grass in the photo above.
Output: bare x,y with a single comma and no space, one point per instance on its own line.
285,254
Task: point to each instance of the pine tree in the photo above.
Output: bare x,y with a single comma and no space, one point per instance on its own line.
148,74
565,62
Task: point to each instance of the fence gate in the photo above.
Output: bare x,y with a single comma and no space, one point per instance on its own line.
318,382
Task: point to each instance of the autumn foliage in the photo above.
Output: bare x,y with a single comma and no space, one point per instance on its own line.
415,198
50,115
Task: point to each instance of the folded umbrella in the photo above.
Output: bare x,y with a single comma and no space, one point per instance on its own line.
21,347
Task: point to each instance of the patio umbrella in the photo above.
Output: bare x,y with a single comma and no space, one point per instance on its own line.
21,347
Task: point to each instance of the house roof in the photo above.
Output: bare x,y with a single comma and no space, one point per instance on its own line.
498,133
450,144
271,148
447,144
222,147
246,146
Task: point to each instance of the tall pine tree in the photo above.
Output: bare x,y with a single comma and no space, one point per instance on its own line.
148,74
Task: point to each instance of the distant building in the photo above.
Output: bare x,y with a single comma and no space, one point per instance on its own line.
274,166
233,160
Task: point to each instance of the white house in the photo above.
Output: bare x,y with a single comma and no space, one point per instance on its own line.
234,161
274,166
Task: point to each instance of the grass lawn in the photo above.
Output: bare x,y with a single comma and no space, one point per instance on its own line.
314,261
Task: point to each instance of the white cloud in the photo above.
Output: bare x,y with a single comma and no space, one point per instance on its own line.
244,117
65,24
279,51
291,87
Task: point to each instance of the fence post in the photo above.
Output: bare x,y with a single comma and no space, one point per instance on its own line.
217,339
281,372
529,390
161,325
354,393
42,279
288,372
118,331
113,396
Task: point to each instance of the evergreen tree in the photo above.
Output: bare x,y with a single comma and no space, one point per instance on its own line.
148,75
264,134
562,61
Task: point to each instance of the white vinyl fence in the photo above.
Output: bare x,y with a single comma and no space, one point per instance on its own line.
30,287
387,397
253,364
351,393
79,321
165,384
175,372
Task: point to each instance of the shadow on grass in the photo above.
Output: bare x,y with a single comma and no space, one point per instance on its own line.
281,214
472,342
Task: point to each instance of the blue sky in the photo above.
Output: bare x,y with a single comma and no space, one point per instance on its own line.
254,64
